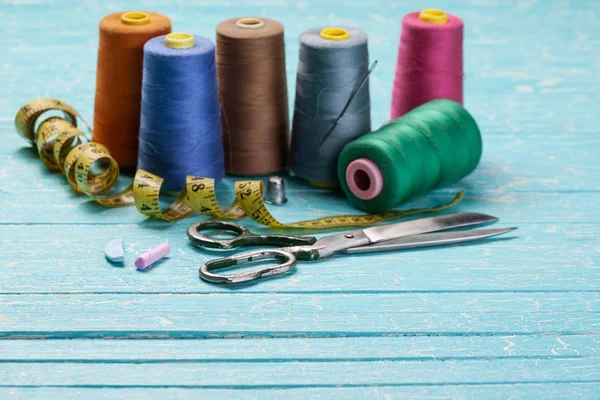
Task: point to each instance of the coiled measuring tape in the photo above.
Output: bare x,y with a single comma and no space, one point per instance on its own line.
64,147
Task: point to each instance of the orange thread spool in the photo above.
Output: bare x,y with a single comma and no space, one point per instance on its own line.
119,80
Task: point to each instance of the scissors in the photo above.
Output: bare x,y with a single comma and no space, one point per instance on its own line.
397,236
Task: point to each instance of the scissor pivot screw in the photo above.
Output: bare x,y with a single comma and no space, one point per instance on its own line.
349,236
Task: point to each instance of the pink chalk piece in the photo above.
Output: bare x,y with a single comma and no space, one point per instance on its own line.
152,255
364,178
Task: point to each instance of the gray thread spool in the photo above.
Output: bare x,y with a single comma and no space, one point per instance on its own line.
333,63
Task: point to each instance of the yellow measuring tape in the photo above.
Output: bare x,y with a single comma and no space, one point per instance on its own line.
64,147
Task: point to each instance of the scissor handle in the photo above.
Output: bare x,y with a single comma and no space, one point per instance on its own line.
287,262
243,237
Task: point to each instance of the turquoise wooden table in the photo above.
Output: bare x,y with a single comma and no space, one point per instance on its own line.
517,317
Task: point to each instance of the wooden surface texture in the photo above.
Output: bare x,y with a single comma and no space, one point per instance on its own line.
515,317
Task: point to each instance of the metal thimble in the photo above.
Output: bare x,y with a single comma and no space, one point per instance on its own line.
275,191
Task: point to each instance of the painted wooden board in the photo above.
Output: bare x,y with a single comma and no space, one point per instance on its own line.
516,317
341,349
509,177
296,315
564,262
301,374
548,391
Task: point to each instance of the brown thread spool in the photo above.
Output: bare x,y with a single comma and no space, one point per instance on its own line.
119,80
253,91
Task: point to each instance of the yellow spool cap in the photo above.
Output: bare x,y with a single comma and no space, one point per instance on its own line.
179,40
135,18
433,16
335,34
250,23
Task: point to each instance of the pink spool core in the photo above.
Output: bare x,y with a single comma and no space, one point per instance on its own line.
364,179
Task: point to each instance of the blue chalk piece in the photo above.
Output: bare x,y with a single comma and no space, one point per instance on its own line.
114,251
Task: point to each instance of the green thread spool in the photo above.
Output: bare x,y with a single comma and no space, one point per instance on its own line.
435,144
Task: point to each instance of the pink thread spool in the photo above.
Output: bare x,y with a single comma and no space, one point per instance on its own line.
152,256
430,61
364,179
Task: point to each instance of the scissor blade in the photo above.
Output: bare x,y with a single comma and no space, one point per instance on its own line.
429,240
425,225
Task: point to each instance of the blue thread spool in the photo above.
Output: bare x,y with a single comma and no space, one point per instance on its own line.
333,64
180,127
